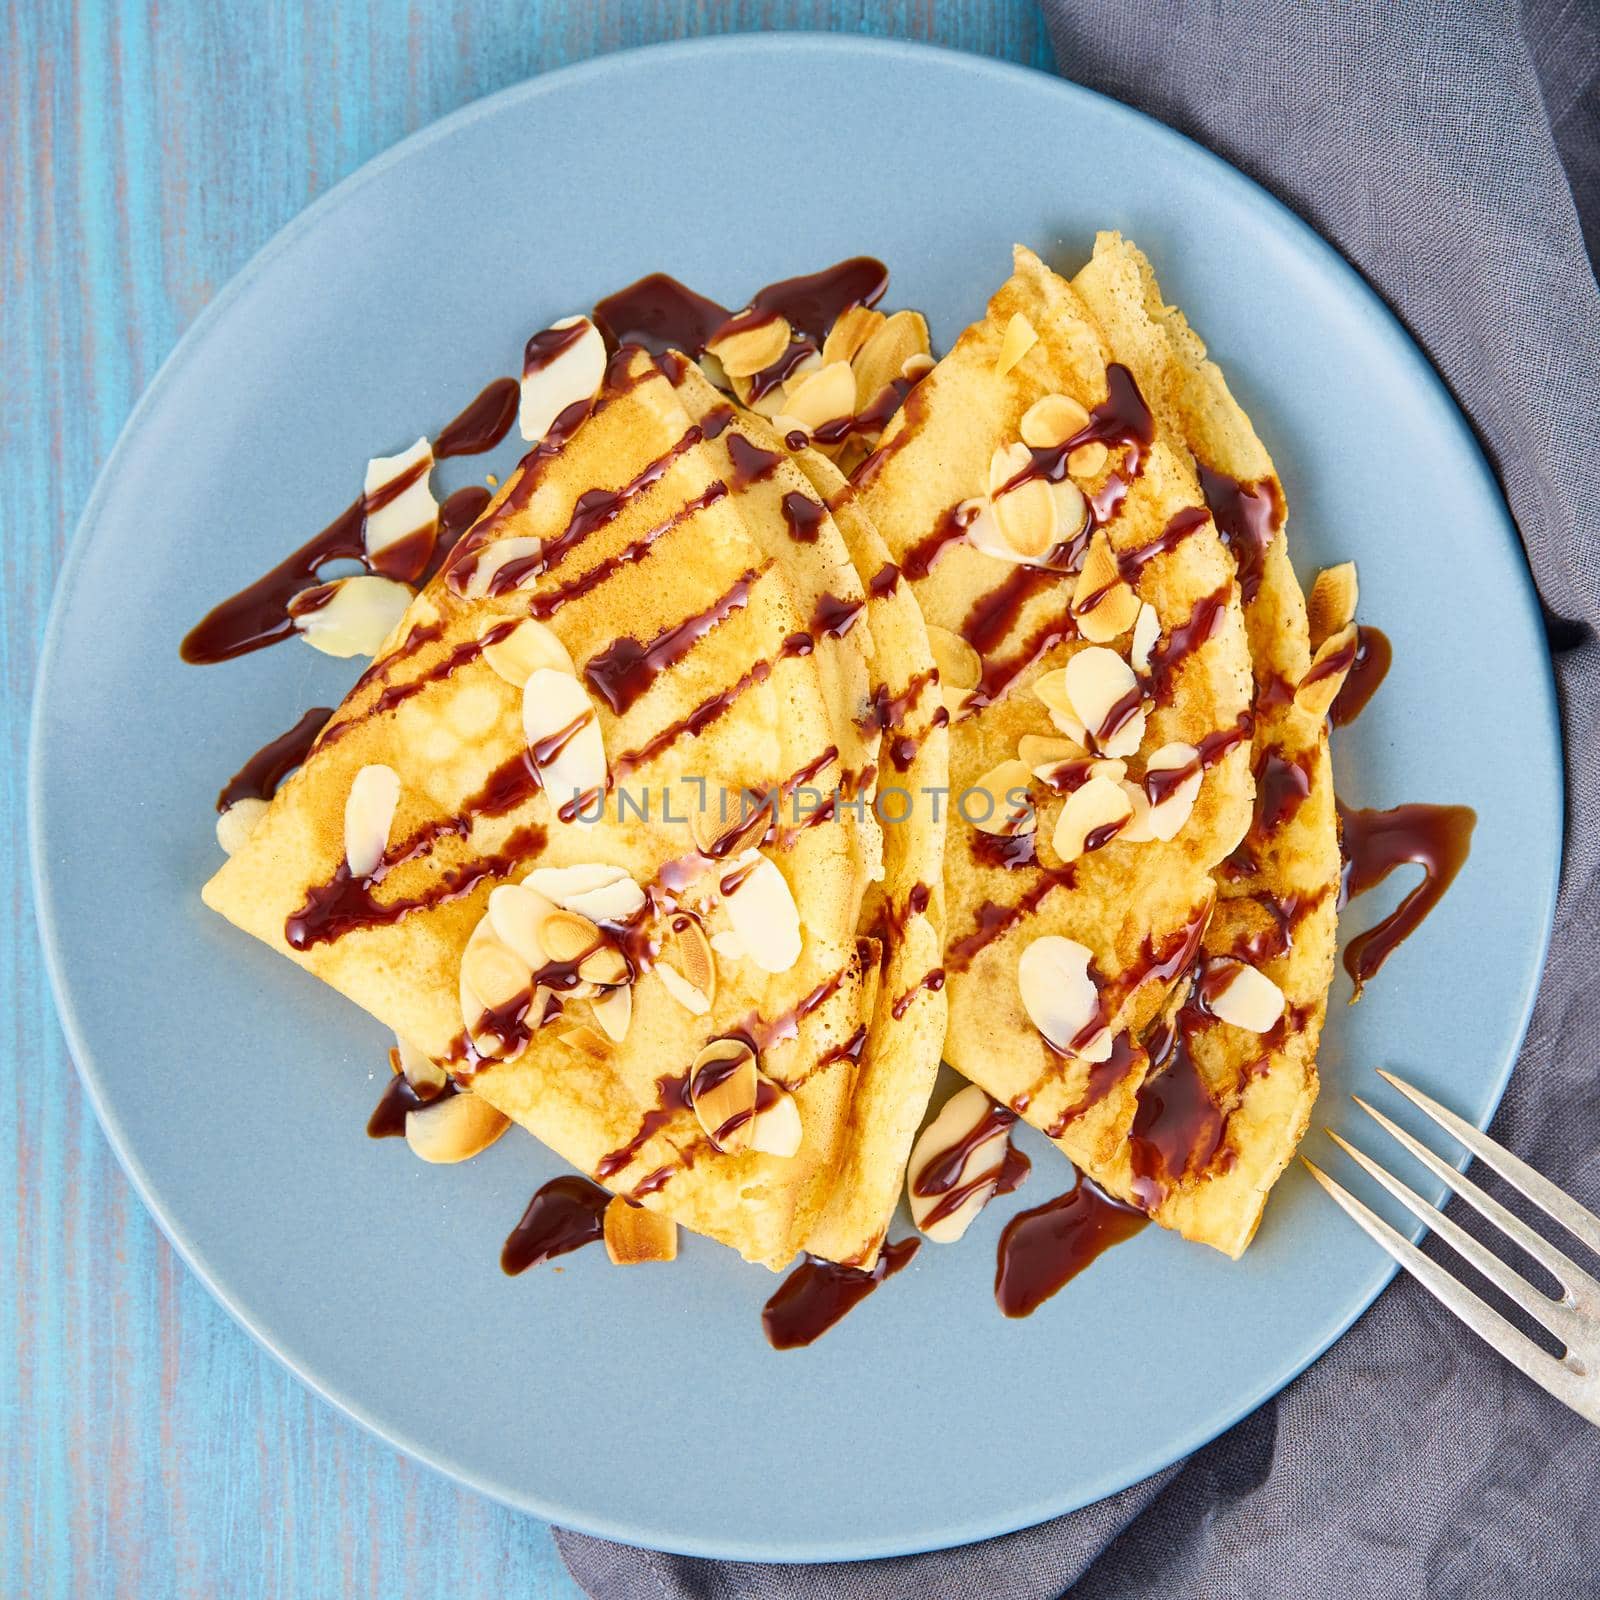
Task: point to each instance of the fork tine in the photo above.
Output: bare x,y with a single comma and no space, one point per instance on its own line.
1579,1286
1576,1219
1561,1318
1484,1320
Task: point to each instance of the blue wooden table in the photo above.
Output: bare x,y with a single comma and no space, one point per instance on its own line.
147,1446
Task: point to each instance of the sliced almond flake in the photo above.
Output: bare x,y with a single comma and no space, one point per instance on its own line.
915,368
492,972
567,936
852,328
763,912
1088,460
560,725
368,815
1331,605
729,945
605,965
693,1000
583,1040
516,913
1098,683
1166,819
1102,602
1061,997
751,348
1019,338
1028,514
1035,750
1051,420
412,511
998,802
722,1091
238,822
1330,666
529,646
575,373
485,566
454,1130
596,890
1095,813
1051,692
1241,996
897,340
983,531
960,666
1072,772
959,1119
350,616
420,1069
687,951
715,376
636,1235
825,395
613,1010
776,1130
1146,633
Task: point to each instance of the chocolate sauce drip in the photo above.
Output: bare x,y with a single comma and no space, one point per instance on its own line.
259,777
1373,657
1187,637
258,614
813,303
1122,419
1178,1126
627,667
751,463
1282,787
849,1050
886,711
933,981
992,919
1374,843
1130,563
952,526
818,1293
884,581
457,513
914,412
803,516
398,1100
1042,1250
835,617
564,1215
1104,1076
659,314
943,1173
1014,852
991,617
483,424
548,346
693,723
1247,516
1215,745
346,904
1000,672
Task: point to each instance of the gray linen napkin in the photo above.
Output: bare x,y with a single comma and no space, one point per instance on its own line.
1451,149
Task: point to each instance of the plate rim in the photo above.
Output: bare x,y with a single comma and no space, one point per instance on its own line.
1366,301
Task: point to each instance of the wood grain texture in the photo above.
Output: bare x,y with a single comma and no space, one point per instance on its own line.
147,1446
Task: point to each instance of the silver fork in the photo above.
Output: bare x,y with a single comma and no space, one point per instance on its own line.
1574,1319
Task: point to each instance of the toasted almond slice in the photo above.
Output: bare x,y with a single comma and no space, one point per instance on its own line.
851,329
983,531
1061,997
492,972
606,966
1035,750
881,358
687,952
960,666
1095,813
1019,338
613,1010
1330,666
1051,421
420,1069
399,520
368,815
1331,605
762,909
728,945
583,1040
349,616
1088,460
1028,514
749,343
715,376
1072,509
959,1127
455,1129
822,396
915,368
1070,773
725,819
722,1090
635,1235
516,914
529,646
485,565
694,1001
1239,995
998,802
596,890
776,1130
238,822
563,736
1104,695
1146,632
568,937
1051,691
558,370
1102,602
1172,779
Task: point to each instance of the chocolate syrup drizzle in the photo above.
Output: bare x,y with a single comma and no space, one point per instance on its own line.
1042,1250
259,777
564,1215
818,1293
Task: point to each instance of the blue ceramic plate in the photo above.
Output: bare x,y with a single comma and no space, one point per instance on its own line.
645,1405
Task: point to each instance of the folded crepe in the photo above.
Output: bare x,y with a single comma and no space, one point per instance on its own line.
574,833
1040,491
